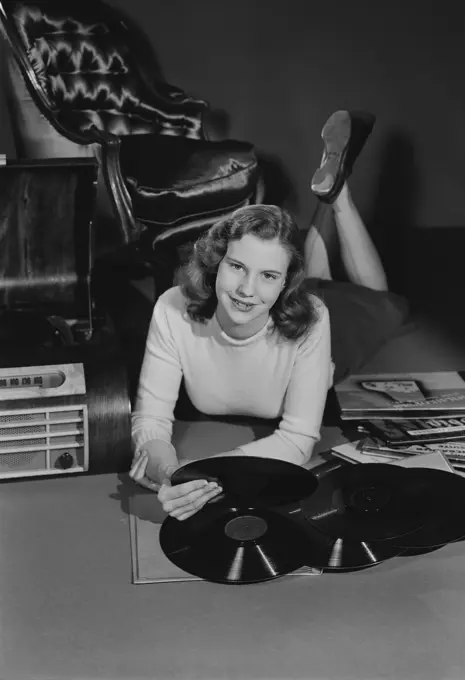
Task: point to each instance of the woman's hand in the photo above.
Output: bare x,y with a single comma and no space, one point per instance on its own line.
180,501
184,500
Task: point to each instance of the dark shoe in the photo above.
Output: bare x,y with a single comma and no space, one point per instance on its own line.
344,135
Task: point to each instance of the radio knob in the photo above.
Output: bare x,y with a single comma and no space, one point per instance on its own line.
64,461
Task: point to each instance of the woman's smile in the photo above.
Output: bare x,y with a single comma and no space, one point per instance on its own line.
241,305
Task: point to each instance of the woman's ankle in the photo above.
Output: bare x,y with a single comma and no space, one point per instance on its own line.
343,200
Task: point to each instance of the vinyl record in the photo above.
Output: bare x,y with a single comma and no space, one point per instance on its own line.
347,556
250,480
446,520
340,555
232,545
368,502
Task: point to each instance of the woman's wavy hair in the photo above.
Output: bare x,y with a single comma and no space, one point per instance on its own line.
293,312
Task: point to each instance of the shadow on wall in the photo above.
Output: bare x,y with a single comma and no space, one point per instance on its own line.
279,189
392,216
423,263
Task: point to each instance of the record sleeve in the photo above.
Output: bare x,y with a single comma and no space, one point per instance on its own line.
453,451
370,396
417,431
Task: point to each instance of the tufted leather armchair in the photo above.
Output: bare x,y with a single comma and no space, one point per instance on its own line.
86,73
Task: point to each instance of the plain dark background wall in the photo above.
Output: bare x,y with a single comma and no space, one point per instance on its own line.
279,68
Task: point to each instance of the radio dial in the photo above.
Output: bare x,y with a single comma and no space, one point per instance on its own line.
65,461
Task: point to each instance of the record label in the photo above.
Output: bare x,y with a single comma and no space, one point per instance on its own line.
246,528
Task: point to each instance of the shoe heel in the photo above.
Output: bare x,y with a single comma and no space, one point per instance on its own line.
336,136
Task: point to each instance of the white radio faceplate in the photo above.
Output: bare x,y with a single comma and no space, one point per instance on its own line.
31,382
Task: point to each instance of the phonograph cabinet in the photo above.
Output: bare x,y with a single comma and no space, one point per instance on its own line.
64,401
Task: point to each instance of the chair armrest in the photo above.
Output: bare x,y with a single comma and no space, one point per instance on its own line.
116,187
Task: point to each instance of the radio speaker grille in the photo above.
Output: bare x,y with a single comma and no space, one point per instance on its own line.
46,441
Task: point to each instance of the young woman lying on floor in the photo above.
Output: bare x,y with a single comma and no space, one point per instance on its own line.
256,328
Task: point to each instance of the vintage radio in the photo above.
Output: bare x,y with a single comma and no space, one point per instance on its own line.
64,410
45,439
64,402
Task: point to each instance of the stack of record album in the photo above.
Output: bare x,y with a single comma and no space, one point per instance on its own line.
275,517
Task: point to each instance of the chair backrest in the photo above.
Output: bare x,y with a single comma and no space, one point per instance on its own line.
85,68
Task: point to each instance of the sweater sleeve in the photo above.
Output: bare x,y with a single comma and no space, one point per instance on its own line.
159,381
304,402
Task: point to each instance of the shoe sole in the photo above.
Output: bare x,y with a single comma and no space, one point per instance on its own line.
335,135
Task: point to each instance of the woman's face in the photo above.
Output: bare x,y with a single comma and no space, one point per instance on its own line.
250,278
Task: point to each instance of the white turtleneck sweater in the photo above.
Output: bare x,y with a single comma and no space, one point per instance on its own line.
266,376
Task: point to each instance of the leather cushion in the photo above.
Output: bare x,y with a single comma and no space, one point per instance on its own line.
180,186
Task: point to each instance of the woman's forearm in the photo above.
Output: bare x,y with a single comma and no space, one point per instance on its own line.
162,460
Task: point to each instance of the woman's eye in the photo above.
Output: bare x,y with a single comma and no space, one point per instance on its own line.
270,277
234,265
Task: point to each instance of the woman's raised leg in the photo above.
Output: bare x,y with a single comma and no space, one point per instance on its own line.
358,252
320,236
336,223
